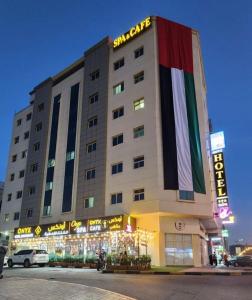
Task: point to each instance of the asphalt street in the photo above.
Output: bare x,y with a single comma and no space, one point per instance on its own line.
146,287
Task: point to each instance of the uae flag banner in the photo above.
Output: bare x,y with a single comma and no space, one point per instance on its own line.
182,156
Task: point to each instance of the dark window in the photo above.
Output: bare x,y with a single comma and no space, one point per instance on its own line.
34,168
92,122
139,131
41,252
93,98
119,88
21,173
24,154
91,147
138,194
139,77
31,190
38,126
139,52
41,107
16,216
119,112
118,139
26,135
139,162
19,122
90,174
29,213
117,168
36,146
95,75
16,140
14,158
12,177
9,197
19,194
89,202
118,64
116,198
70,155
186,195
28,116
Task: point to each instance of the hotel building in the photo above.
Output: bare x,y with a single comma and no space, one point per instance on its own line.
118,152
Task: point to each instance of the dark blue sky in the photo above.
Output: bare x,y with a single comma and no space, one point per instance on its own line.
40,38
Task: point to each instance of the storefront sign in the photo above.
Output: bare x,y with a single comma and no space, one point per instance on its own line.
132,33
222,202
224,233
219,175
229,220
224,212
217,141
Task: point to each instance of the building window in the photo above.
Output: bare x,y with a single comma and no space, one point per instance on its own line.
14,158
139,77
47,210
34,168
70,155
90,174
36,146
92,122
118,139
93,98
19,122
139,52
139,104
116,198
186,195
28,117
89,202
118,64
138,131
26,135
119,88
41,107
24,154
138,194
9,197
19,194
117,168
16,140
21,173
95,75
119,112
139,162
38,126
29,213
91,147
49,186
31,190
6,217
12,177
16,216
51,163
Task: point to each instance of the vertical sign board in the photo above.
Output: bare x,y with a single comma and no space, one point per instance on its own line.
219,175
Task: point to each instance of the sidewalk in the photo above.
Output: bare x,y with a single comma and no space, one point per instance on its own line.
16,288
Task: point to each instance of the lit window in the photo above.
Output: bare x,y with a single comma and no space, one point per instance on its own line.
118,139
19,122
16,216
49,186
119,112
92,122
70,155
89,202
139,104
90,174
95,75
119,88
94,98
117,168
139,52
6,217
91,147
118,64
138,194
139,162
51,163
116,198
47,210
139,77
138,131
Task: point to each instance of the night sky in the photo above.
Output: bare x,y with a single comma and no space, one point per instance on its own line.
40,38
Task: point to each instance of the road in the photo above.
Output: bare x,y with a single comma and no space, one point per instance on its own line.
146,287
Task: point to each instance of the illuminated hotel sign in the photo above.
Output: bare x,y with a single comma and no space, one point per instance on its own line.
132,33
120,222
219,175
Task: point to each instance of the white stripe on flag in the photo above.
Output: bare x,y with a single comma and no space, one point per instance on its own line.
182,131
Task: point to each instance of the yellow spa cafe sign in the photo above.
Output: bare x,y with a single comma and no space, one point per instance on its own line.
132,33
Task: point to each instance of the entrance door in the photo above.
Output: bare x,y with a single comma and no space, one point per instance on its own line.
178,249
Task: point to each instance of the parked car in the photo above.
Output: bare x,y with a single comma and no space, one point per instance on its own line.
28,258
6,260
241,261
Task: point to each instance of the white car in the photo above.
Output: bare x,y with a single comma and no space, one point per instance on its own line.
28,258
6,260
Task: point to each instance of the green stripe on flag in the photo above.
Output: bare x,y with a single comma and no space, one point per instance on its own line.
194,135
